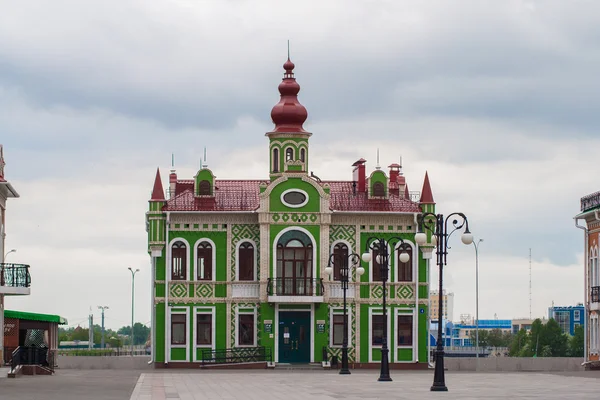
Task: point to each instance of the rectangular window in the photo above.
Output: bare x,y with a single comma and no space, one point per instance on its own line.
246,329
338,330
405,330
576,315
204,329
178,324
178,263
377,330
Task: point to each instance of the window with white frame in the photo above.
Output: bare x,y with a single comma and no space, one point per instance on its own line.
405,330
246,256
204,329
289,154
178,329
337,337
377,322
405,269
204,252
576,315
246,330
178,261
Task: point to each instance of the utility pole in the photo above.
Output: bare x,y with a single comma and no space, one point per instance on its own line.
91,330
102,308
530,283
132,298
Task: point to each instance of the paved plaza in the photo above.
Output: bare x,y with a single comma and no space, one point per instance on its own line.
290,385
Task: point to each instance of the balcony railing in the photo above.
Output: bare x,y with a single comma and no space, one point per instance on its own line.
14,275
595,294
295,287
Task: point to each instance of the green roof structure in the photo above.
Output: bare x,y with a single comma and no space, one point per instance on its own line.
35,317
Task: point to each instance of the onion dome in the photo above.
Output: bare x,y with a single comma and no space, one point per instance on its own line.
288,115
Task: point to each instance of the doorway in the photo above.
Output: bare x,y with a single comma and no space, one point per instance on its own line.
294,336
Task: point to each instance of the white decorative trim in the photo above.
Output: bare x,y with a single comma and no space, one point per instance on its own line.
169,270
186,346
214,259
213,328
285,203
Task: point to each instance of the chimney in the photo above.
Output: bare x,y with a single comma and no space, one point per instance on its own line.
172,183
359,175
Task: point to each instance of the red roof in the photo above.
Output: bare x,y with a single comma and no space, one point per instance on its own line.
426,195
243,195
158,193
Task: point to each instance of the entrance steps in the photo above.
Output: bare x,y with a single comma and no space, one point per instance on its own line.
299,367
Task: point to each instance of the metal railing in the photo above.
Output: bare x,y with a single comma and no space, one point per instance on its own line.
14,275
595,294
590,201
295,287
236,355
33,356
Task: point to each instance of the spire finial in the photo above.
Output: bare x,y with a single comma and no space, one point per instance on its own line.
2,163
204,164
172,160
378,166
288,49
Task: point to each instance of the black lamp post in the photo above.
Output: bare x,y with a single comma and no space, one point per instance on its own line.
381,246
354,260
437,225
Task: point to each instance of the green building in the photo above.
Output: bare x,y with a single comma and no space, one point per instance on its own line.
241,263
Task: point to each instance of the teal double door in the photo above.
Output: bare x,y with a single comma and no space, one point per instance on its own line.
294,336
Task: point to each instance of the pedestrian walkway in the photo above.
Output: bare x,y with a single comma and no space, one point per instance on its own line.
303,385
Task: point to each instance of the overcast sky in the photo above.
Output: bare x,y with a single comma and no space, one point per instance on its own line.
497,100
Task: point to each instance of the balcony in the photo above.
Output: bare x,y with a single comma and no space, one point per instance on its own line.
245,290
595,294
295,290
14,279
336,291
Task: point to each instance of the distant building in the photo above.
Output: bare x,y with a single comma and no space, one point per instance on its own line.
568,318
459,334
590,209
521,323
448,304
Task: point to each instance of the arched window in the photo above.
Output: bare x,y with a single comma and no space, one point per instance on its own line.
302,155
289,154
246,262
178,261
204,265
204,189
294,265
378,189
340,256
275,160
405,269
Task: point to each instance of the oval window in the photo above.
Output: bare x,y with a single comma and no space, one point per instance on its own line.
294,198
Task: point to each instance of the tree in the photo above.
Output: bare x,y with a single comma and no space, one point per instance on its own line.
497,338
555,339
483,338
576,342
519,344
140,333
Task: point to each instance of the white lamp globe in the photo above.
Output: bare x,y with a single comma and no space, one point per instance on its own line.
421,238
366,257
360,271
378,259
467,238
328,270
404,257
434,240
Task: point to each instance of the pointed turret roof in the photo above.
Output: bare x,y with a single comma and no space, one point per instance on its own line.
288,115
406,192
426,195
158,194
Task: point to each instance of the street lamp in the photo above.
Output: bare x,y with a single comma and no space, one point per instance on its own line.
354,259
6,255
380,245
102,308
476,245
132,291
437,225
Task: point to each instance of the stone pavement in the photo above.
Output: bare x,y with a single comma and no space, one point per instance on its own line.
303,385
